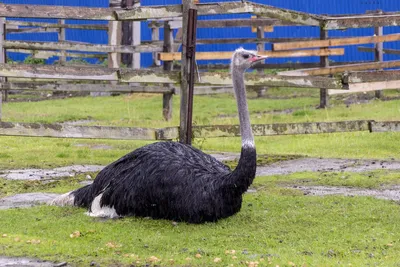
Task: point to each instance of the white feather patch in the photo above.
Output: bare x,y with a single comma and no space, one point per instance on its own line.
248,143
97,211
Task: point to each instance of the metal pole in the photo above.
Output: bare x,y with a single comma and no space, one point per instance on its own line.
191,59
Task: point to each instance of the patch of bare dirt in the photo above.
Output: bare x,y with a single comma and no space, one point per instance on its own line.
44,174
321,165
388,193
27,262
26,200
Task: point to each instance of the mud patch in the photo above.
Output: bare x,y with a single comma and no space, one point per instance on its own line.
43,174
26,200
26,262
325,165
389,193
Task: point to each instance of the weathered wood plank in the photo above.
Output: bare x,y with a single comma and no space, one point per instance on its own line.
371,76
71,131
228,55
385,51
279,65
56,12
223,23
62,38
335,42
273,80
48,54
155,12
343,68
83,47
17,24
150,12
259,22
385,126
249,40
168,66
73,87
282,129
58,72
361,21
148,76
367,87
259,9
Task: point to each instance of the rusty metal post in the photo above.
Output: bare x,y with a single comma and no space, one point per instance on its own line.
324,61
191,59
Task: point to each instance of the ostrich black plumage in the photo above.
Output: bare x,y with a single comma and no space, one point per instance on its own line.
170,180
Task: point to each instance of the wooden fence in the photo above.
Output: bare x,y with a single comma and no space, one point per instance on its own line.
339,78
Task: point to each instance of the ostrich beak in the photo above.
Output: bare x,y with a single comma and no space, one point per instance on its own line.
257,58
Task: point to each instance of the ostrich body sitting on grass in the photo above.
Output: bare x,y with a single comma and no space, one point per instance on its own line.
170,180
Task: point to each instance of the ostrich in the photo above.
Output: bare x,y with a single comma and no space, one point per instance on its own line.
174,181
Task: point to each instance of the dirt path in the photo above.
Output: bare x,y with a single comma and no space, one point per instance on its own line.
279,168
389,193
328,165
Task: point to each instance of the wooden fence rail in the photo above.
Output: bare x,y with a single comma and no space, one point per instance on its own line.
158,12
171,133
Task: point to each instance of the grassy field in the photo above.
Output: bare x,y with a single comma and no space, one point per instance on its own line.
276,226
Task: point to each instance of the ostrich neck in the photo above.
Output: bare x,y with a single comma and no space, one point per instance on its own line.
244,118
243,175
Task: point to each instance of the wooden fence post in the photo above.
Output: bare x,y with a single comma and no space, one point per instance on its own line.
126,32
260,48
2,58
379,55
324,61
168,65
136,39
61,38
155,36
114,59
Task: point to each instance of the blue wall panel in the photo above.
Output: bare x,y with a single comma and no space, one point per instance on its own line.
311,6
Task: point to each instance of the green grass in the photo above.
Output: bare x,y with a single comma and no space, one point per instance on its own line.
33,152
142,110
277,226
280,229
336,145
369,180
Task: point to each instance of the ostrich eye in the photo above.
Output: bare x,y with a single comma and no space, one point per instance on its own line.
245,56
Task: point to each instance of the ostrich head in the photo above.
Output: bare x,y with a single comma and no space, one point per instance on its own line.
243,59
